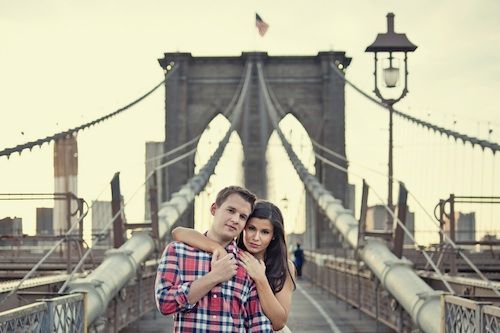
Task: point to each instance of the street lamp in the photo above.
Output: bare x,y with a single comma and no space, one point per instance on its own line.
391,42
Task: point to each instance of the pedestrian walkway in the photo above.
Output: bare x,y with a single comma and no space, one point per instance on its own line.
313,311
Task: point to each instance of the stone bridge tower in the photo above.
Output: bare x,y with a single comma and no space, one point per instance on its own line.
305,86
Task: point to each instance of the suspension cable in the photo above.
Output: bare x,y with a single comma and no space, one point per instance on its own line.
296,161
236,107
61,135
343,158
458,136
420,248
457,248
170,152
47,254
425,254
100,235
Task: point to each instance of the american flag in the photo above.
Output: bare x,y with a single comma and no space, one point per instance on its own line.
261,25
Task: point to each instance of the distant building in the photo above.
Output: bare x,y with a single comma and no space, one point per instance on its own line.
11,226
44,221
377,216
101,216
493,239
465,226
153,150
350,197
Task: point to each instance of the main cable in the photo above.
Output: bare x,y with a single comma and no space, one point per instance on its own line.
72,131
458,136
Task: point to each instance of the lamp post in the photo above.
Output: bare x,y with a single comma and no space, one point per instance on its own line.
391,42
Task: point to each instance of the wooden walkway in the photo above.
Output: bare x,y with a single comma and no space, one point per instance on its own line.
313,311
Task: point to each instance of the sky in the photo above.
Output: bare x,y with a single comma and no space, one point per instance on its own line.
63,63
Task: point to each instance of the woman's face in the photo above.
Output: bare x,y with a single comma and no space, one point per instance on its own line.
257,235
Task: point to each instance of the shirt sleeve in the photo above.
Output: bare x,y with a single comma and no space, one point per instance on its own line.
171,292
257,322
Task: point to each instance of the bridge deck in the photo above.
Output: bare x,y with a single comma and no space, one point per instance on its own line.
313,311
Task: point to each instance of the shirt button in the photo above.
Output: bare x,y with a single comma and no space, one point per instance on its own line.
214,317
215,296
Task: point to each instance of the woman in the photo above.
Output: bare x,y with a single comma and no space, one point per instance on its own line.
266,259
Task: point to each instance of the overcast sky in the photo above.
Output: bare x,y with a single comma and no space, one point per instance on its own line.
63,63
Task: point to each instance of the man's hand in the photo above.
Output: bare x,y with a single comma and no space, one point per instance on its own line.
223,268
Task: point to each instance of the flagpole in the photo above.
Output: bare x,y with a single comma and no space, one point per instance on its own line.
261,25
255,40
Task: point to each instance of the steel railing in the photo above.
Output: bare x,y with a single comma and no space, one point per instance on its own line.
465,315
59,314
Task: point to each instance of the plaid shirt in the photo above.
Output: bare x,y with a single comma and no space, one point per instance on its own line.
231,306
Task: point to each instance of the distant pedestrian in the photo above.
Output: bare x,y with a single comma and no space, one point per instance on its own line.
298,259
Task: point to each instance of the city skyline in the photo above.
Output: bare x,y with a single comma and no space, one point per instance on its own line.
68,63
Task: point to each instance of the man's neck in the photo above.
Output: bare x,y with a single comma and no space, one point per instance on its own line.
213,236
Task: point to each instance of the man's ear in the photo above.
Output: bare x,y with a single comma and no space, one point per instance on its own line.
213,208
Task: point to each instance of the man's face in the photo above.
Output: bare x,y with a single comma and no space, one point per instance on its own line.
230,217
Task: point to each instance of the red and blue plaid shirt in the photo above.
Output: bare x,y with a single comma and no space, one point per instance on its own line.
231,306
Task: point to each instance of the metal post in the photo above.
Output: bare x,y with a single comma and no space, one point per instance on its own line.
116,206
399,235
80,213
359,288
401,316
153,205
391,166
68,237
115,324
346,282
376,302
441,221
453,263
84,314
336,281
49,324
79,242
442,245
362,215
139,287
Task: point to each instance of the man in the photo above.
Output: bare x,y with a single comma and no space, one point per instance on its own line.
299,259
212,293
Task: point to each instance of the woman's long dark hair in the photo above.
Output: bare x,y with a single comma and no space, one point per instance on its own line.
276,255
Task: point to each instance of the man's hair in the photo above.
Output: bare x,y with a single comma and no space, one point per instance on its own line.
242,192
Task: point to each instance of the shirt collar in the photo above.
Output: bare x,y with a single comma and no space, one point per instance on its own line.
232,247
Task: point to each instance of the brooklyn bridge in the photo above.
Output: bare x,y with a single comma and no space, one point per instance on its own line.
367,267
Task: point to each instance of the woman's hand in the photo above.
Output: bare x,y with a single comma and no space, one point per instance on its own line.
223,266
255,268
